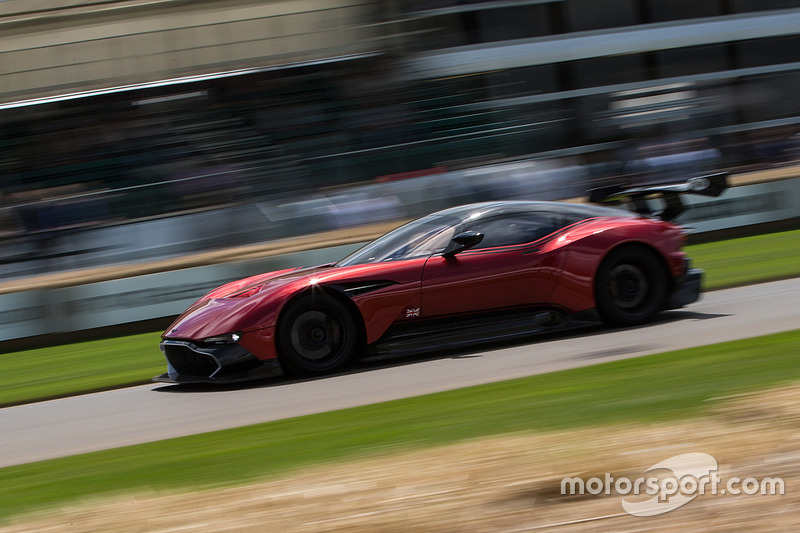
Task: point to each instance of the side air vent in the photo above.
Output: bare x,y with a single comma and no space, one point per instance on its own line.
356,288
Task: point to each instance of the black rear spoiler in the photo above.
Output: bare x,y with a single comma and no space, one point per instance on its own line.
710,185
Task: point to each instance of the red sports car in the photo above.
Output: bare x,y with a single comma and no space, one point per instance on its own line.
473,273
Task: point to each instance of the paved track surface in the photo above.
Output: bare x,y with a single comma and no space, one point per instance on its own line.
153,412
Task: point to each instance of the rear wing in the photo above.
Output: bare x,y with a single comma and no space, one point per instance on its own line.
636,198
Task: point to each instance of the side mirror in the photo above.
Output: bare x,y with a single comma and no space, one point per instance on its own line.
463,241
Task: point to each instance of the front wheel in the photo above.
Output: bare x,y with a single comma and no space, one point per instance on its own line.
631,286
316,335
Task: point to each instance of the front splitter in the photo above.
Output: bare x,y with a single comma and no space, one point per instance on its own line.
271,368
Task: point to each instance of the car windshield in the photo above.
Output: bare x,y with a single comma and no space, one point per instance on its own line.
420,238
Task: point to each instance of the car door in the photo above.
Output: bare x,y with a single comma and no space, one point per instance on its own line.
505,270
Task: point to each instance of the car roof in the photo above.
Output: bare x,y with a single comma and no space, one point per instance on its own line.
487,209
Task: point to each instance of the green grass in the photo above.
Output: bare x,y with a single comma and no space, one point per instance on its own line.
76,368
748,260
661,387
97,365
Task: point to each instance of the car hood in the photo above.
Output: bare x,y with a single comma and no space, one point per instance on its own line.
268,278
240,305
255,302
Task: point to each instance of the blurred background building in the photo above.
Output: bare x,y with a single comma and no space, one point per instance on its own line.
141,129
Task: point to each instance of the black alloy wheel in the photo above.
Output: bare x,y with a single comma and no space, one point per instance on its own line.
317,335
630,286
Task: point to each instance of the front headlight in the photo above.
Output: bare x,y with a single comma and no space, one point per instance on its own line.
228,338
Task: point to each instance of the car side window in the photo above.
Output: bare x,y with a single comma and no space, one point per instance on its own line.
514,228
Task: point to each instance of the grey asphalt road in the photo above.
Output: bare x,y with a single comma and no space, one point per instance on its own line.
153,412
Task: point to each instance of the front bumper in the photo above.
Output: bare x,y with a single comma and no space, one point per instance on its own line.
190,362
686,289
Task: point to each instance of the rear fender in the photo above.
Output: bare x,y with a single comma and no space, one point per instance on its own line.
587,248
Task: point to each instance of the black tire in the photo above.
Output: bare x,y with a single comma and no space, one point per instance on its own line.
630,286
316,335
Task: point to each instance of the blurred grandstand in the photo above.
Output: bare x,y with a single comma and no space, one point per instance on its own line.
133,130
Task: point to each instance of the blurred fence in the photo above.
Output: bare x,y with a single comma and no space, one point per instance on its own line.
68,244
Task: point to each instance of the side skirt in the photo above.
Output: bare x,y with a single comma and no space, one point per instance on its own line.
458,332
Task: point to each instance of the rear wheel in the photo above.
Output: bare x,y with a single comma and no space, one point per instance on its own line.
316,335
631,286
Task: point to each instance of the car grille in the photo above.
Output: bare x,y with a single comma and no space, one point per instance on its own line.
188,362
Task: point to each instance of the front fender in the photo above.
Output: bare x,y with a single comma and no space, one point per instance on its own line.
218,316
